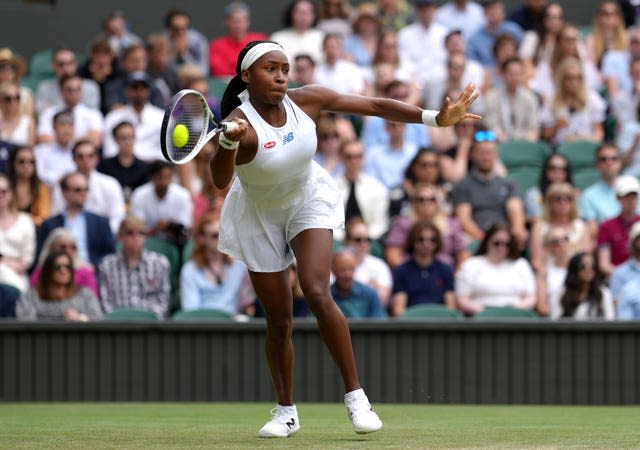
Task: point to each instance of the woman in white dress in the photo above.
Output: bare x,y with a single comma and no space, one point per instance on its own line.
16,127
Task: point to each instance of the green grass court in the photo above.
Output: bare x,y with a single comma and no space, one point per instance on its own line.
324,426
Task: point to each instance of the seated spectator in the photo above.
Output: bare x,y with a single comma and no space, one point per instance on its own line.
134,277
598,201
163,75
224,50
101,66
575,111
16,126
210,279
584,297
505,48
31,193
134,59
300,34
48,94
54,159
616,67
628,140
17,239
395,15
555,169
139,111
512,109
464,15
300,307
607,32
61,239
496,276
165,207
363,195
125,167
426,204
537,45
484,197
337,72
454,160
87,122
560,209
303,70
423,278
613,234
9,296
360,44
116,31
624,107
550,279
188,45
370,269
12,69
335,17
355,299
56,296
105,196
625,280
91,232
450,85
528,14
329,143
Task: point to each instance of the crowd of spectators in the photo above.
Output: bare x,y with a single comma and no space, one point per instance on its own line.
92,219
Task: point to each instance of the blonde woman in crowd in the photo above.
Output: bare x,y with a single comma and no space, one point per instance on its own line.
16,127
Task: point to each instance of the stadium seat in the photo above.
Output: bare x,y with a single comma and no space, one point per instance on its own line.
520,153
172,253
130,314
525,177
201,314
505,312
431,312
580,154
40,63
217,87
585,177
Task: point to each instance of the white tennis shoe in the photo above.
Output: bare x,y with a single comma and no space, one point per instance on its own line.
364,419
284,422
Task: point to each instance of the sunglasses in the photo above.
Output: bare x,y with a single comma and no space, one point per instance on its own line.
423,239
425,199
353,156
136,233
559,240
608,158
558,168
485,136
562,198
505,244
26,161
11,98
78,190
59,267
361,239
427,164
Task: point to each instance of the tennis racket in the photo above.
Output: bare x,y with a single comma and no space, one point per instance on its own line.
188,124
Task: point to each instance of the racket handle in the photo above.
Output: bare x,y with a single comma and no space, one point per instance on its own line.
229,126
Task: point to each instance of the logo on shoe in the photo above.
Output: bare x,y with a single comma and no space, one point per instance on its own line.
292,423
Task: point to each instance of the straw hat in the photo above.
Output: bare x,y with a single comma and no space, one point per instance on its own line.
19,65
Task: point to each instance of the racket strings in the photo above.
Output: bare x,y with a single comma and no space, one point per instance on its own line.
190,112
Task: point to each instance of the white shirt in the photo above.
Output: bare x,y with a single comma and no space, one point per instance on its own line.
105,198
344,77
295,43
468,20
176,206
85,119
423,46
53,161
579,123
583,312
491,284
147,129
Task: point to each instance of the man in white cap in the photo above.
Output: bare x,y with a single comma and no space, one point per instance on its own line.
625,281
613,234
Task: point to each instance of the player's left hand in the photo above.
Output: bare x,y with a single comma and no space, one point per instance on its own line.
453,112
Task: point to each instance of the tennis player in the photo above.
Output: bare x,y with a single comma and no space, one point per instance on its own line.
283,204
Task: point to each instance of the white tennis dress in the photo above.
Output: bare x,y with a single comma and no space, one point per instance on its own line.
280,193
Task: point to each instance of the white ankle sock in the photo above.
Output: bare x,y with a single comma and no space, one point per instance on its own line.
289,409
354,394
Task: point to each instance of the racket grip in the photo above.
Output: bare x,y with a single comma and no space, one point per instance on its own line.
229,126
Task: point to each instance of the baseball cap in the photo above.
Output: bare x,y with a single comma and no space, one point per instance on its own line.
635,232
138,77
626,184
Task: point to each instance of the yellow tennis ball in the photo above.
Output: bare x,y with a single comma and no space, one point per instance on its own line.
180,135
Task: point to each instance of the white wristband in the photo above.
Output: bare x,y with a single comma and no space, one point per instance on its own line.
227,143
429,118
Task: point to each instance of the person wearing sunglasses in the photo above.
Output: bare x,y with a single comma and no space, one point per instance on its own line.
56,296
423,278
16,127
31,193
550,280
211,279
496,275
483,197
134,277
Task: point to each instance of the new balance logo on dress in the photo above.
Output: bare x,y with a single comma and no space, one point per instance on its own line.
287,138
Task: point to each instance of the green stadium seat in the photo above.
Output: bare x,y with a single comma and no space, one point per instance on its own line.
40,63
172,253
505,312
525,177
201,314
130,314
520,153
217,87
429,311
581,154
583,178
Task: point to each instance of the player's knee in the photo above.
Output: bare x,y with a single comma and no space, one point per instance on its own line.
279,326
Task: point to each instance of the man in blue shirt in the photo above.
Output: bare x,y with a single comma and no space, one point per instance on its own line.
356,300
625,281
480,44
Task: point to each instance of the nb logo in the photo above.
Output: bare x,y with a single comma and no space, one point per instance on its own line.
287,138
292,423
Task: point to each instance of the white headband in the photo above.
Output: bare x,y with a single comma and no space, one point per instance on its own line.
257,51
